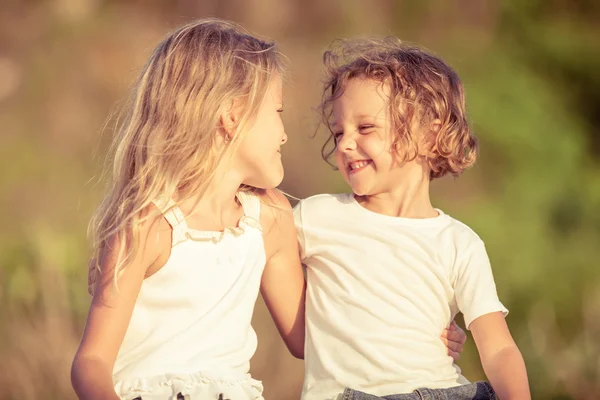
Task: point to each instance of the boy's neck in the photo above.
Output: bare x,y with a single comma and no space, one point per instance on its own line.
408,200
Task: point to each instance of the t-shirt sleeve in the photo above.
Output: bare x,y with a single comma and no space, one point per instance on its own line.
474,285
300,229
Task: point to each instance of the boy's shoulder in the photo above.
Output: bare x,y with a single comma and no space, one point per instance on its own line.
461,231
323,203
326,198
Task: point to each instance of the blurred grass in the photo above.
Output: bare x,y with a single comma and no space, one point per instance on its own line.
530,72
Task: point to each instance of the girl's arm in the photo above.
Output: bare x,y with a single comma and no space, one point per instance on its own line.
111,309
454,338
501,359
283,285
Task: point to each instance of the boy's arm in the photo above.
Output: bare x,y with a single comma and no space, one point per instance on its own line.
501,359
283,285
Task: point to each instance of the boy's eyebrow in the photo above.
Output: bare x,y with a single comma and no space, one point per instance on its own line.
361,116
334,123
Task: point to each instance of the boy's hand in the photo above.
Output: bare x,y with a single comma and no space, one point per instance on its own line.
454,338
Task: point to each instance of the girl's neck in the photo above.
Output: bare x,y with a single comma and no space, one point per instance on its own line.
216,208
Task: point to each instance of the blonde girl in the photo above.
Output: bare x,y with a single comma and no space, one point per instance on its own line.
191,227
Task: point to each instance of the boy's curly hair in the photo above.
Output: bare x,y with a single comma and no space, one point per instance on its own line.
421,85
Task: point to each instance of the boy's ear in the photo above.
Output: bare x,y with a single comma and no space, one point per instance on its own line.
435,126
428,137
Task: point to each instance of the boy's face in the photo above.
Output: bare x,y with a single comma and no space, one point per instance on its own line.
363,131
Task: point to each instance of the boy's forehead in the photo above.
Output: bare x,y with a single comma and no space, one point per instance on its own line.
361,98
361,92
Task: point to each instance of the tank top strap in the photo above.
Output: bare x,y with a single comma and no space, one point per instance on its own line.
174,217
250,203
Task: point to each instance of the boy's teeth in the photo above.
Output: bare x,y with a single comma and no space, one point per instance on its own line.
358,164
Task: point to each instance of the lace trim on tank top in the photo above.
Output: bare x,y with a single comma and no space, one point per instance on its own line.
181,232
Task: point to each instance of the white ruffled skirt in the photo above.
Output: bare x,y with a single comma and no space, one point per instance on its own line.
197,386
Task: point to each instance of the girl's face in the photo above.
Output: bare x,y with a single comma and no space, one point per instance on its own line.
259,152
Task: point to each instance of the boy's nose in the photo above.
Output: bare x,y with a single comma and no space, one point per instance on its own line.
346,143
284,138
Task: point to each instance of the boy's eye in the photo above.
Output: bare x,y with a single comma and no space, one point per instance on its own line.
280,110
337,136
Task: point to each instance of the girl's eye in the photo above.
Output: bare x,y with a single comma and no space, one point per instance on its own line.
364,128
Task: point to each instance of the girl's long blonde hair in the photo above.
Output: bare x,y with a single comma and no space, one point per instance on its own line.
166,142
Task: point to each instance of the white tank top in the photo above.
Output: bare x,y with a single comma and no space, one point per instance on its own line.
190,330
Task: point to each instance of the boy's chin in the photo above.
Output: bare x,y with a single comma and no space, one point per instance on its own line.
359,187
360,191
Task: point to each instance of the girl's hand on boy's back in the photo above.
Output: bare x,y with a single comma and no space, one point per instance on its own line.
112,307
454,338
283,285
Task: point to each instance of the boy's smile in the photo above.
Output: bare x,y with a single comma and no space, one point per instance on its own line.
362,132
356,166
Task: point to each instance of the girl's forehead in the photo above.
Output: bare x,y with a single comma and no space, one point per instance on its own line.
275,89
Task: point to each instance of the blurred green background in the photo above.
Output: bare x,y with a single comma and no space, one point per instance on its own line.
532,74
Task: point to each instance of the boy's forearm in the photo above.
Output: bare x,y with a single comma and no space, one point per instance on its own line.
507,374
92,379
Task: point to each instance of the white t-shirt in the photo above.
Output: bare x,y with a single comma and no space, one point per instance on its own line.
380,292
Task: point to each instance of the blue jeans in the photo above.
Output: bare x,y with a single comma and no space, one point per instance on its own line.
473,391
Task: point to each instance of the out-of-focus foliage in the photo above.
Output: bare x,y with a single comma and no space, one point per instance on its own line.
530,70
